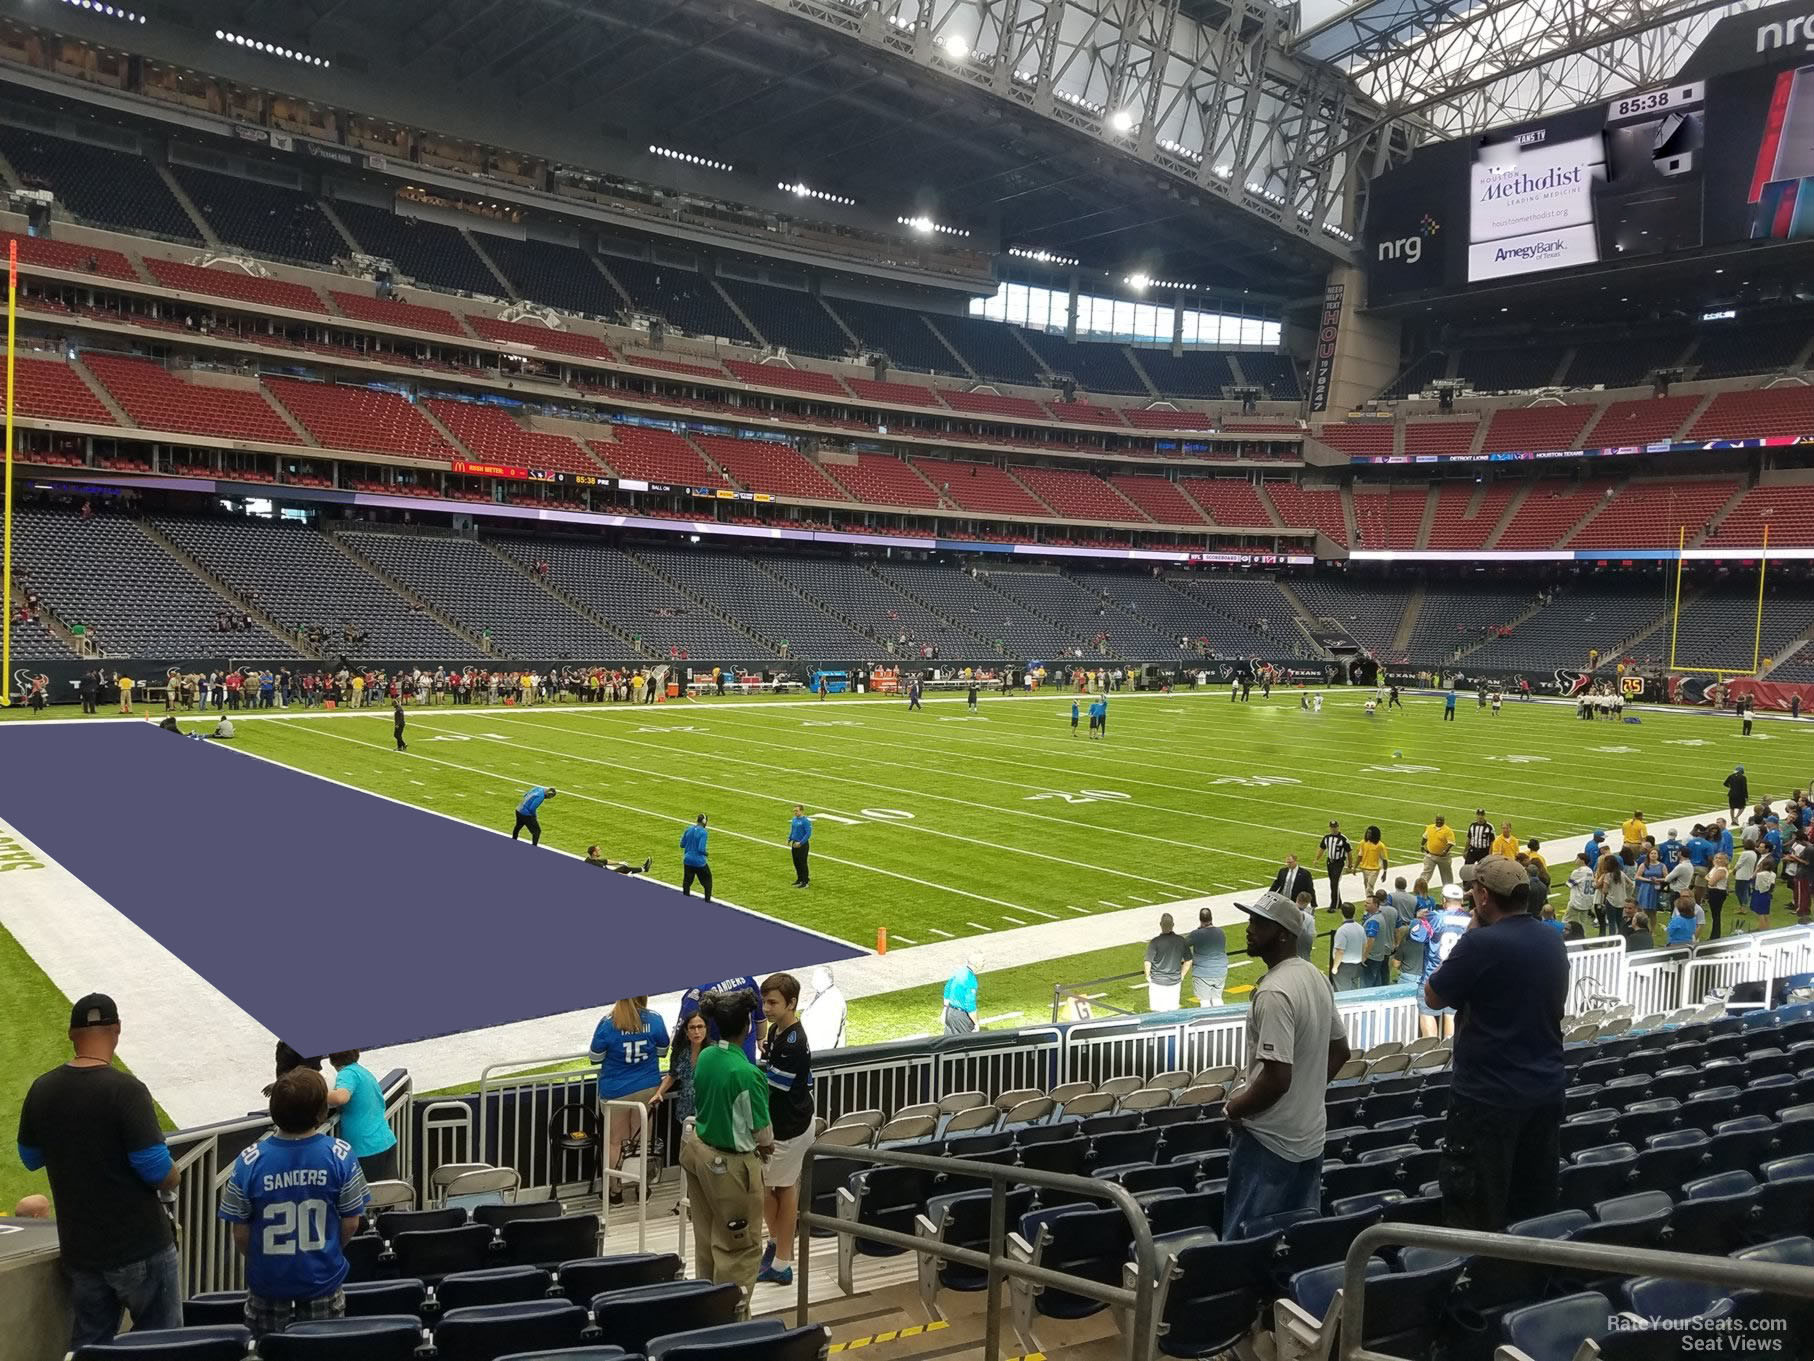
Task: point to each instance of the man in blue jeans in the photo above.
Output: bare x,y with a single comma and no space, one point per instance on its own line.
1295,1044
94,1128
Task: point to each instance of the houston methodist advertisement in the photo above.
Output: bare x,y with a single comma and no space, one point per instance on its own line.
1723,155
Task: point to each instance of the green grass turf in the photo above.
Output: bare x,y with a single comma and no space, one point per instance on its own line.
34,1038
1004,828
964,825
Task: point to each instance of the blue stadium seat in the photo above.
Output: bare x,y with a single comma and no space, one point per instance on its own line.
494,1285
1367,1200
757,1340
961,1219
1209,1297
221,1342
885,1198
1154,1177
1741,1144
1636,1220
430,1254
1419,1209
584,1279
364,1257
215,1307
1665,1298
1597,1174
1343,1180
1066,1156
1716,1212
629,1318
1316,1242
1089,1243
1782,1169
1130,1146
570,1354
499,1215
1555,1329
549,1242
1194,1212
1314,1289
382,1337
1670,1159
370,1299
491,1330
393,1222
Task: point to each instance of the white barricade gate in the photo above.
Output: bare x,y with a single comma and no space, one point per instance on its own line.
446,1132
1378,1016
1719,965
1033,1061
1217,1040
1653,980
1596,969
1787,950
872,1084
1095,1051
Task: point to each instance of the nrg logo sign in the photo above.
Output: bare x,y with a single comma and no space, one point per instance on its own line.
1785,33
1410,248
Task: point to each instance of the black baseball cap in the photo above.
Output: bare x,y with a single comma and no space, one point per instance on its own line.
95,1009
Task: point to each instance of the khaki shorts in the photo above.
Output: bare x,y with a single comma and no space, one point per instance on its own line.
783,1167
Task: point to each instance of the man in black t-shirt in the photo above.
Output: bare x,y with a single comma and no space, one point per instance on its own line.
94,1128
787,1058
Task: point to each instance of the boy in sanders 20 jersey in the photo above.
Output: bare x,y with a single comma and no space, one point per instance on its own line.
1442,929
293,1198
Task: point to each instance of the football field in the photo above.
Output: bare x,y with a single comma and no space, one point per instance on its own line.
993,829
944,823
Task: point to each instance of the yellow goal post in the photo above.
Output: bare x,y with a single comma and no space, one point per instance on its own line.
1720,672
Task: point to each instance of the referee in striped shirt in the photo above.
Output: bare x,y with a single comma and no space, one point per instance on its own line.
1333,851
1480,838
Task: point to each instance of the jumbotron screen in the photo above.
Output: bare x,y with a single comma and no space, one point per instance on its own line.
1717,157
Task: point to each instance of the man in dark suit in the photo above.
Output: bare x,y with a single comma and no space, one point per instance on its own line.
1293,879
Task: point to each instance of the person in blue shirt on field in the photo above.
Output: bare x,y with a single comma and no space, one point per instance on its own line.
1682,922
526,813
689,1004
627,1047
960,999
362,1122
1102,717
799,840
1595,844
1448,706
1073,718
1723,837
692,860
293,1199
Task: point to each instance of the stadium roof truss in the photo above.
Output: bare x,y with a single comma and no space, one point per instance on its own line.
1203,90
1450,68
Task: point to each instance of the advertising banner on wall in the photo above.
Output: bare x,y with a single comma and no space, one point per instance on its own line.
1720,157
1326,332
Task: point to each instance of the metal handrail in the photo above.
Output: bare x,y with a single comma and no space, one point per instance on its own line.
640,1177
1600,1258
996,1260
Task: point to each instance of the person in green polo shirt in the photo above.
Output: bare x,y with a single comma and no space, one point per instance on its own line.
731,1139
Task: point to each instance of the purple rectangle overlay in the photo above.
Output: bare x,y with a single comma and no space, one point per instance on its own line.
341,920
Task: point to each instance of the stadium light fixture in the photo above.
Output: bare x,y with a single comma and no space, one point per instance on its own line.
1043,257
955,45
688,158
106,11
1122,120
271,49
803,190
925,226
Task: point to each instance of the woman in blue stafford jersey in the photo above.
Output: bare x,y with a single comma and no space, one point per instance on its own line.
627,1049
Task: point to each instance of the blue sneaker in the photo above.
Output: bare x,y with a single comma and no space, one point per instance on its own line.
768,1259
773,1275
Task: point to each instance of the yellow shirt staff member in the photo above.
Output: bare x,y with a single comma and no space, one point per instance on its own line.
1505,843
1439,849
1634,830
1372,857
732,1137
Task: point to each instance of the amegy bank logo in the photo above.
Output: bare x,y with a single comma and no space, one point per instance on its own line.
1786,32
1410,248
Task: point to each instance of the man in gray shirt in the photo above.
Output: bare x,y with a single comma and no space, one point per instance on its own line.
1208,960
1348,952
1382,939
1167,961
